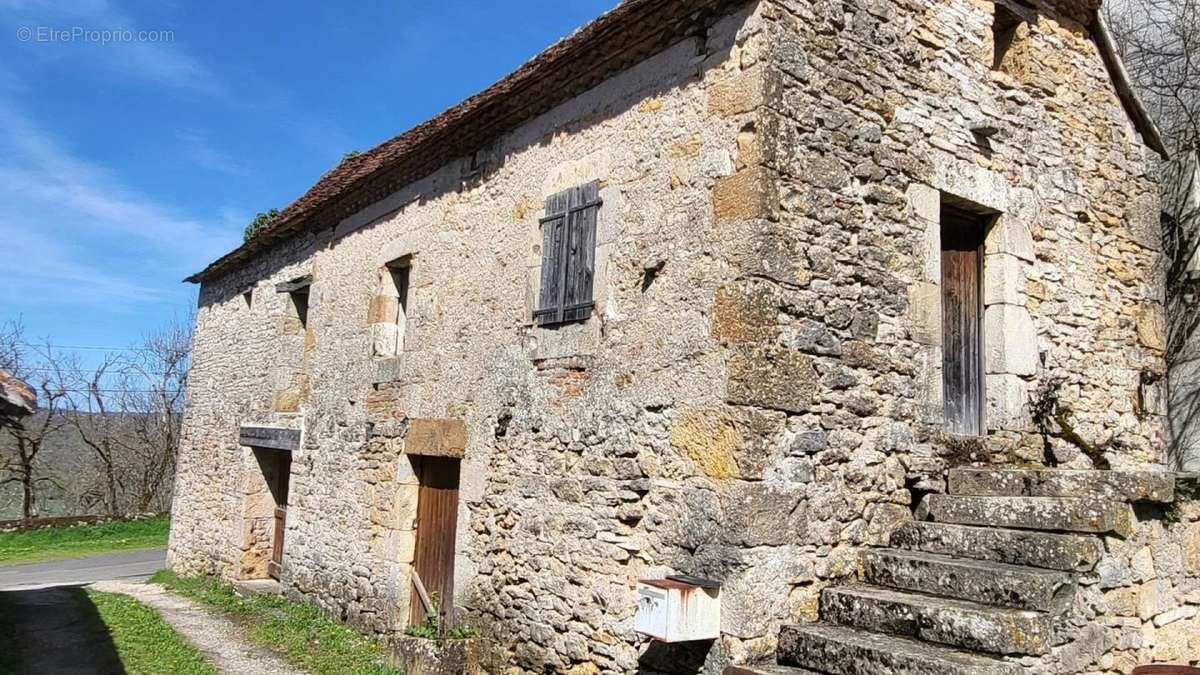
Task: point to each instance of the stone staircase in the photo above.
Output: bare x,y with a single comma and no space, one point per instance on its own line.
980,583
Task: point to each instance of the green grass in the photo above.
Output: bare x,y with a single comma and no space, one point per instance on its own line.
300,631
145,643
56,543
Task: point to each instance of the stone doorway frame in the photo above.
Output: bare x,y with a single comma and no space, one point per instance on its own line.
1011,357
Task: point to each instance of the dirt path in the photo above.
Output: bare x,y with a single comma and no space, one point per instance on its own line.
217,638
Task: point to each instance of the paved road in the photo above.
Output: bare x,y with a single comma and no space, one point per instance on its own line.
133,566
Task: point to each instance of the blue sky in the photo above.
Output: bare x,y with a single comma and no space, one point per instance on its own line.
126,166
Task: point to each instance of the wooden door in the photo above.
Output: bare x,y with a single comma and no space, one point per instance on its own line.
437,520
279,483
962,322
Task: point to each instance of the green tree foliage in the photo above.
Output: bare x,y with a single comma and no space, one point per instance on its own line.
260,221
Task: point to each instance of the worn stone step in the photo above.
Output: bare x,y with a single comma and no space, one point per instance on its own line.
1061,514
1129,486
1068,552
982,581
848,651
767,669
959,623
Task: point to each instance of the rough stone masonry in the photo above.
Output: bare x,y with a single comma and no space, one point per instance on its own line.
756,392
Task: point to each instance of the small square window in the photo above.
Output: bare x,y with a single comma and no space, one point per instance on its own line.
1005,24
299,299
389,309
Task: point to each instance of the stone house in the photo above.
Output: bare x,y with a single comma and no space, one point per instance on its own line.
735,290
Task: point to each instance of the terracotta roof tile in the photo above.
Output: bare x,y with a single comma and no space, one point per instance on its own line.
618,39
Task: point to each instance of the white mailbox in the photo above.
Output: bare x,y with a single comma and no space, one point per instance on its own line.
674,610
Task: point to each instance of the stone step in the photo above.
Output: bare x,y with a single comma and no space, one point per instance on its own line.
982,581
1068,552
1129,486
959,623
1066,514
767,669
848,651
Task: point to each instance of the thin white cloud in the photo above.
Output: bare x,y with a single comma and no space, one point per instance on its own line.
164,60
204,154
73,224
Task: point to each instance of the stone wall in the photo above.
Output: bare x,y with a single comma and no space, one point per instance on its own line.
758,387
1141,604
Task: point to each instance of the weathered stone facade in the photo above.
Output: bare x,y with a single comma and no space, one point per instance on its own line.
757,393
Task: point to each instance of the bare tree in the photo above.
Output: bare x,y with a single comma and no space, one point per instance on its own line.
21,444
1159,43
128,414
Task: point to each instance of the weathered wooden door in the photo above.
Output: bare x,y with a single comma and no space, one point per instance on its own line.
279,490
962,321
437,519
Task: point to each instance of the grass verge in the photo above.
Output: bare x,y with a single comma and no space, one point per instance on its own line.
300,631
56,543
145,643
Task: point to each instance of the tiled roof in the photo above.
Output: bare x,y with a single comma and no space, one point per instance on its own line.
618,39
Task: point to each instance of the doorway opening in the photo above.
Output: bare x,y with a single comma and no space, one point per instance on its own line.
962,234
277,470
437,523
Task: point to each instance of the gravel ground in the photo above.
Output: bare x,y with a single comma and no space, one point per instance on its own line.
217,638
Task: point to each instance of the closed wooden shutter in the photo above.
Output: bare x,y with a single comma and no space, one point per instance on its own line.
568,255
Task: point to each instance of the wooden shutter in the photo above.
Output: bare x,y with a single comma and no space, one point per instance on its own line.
568,255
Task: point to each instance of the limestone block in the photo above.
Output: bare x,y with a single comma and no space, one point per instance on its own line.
436,437
740,93
925,312
259,505
1055,514
772,377
1121,601
757,514
716,163
1128,486
936,619
710,439
1150,328
1191,549
925,205
384,339
383,308
745,313
1007,403
287,401
1010,340
755,594
1143,218
1154,598
771,250
1009,235
970,181
1014,547
748,194
1003,280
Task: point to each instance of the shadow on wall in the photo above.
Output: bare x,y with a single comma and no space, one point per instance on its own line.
662,658
54,630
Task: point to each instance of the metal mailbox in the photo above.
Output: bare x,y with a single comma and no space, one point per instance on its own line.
672,610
